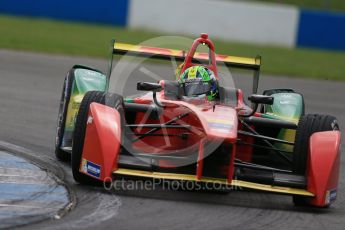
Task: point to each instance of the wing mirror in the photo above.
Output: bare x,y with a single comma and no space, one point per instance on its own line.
154,87
257,99
149,86
261,99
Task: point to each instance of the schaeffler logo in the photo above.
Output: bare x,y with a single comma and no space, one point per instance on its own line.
157,131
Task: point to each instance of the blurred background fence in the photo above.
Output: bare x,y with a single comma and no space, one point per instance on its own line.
268,22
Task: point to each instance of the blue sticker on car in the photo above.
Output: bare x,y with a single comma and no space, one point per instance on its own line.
91,168
333,195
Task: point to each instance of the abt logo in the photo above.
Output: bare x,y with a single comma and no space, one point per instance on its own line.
89,120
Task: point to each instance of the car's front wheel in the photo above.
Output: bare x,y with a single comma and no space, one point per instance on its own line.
308,125
109,99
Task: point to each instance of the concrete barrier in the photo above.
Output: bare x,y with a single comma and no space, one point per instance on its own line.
257,23
237,21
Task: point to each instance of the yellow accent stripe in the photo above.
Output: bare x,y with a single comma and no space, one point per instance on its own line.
147,49
178,53
237,183
242,60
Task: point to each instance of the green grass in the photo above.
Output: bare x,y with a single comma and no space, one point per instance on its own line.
93,40
334,5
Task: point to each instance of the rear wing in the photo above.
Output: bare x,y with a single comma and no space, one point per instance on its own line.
179,55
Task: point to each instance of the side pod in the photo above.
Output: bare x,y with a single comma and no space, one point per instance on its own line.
102,142
323,167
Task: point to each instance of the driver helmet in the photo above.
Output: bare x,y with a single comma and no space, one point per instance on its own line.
198,80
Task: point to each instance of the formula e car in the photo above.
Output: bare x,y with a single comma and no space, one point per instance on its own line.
270,145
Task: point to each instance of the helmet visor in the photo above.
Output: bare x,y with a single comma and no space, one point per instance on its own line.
196,88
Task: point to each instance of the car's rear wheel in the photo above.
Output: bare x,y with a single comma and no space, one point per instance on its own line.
308,125
109,99
61,121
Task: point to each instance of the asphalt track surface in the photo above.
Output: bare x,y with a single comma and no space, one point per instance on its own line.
30,87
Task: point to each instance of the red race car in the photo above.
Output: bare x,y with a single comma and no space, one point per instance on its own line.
193,129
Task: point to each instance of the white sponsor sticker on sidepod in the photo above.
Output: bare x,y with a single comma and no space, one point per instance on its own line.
89,120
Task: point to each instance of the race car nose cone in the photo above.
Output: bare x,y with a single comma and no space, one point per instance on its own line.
204,35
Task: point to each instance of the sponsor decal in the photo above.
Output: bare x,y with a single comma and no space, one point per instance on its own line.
334,125
221,130
219,127
286,95
89,120
83,165
91,74
331,195
288,102
91,168
220,121
192,80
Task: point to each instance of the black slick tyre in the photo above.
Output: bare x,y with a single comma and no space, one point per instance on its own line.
61,121
109,99
308,125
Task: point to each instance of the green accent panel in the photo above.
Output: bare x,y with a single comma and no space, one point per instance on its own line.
286,106
288,135
84,80
87,80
